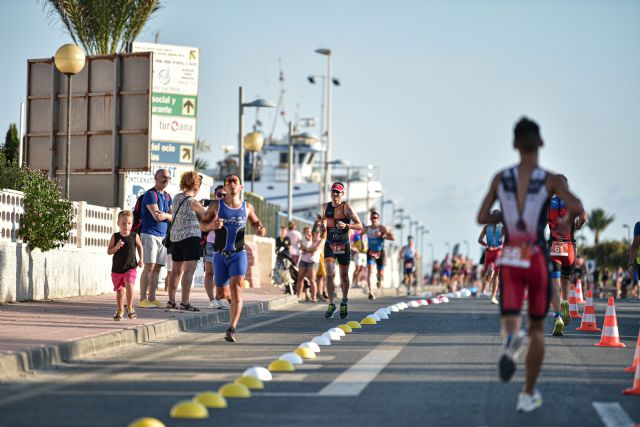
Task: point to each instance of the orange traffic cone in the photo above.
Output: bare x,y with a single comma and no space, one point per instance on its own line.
573,305
589,316
636,357
579,296
635,389
610,337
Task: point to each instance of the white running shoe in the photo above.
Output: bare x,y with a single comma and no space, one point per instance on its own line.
512,349
528,402
223,304
213,304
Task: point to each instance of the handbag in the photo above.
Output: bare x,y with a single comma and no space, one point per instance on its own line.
166,242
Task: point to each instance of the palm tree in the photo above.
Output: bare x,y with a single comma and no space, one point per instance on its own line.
202,146
599,220
102,27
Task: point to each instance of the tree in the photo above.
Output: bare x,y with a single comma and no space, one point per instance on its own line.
11,144
599,220
102,27
202,146
609,254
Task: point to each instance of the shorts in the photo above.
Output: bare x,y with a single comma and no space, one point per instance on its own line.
186,249
376,258
361,259
226,267
490,260
120,279
564,265
154,250
409,267
535,279
209,252
308,265
446,273
343,259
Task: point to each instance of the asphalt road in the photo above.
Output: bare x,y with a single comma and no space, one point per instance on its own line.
441,371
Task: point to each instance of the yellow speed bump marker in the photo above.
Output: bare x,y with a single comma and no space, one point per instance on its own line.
252,383
368,321
146,422
353,324
281,366
345,328
305,353
211,399
234,391
189,409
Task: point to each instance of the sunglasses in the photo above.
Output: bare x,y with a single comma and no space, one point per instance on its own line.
166,177
375,217
220,195
336,192
231,181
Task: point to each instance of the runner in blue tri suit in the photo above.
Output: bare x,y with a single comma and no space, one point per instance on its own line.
376,234
634,261
230,258
408,254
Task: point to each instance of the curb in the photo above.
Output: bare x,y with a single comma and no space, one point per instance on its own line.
24,361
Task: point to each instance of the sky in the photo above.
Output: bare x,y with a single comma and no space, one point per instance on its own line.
430,90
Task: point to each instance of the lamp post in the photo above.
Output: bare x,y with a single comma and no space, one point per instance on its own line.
448,245
628,227
69,60
253,143
466,243
432,252
327,158
258,103
423,232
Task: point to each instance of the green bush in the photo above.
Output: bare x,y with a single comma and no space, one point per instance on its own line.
47,219
611,254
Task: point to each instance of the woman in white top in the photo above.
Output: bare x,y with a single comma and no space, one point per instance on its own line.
185,239
309,259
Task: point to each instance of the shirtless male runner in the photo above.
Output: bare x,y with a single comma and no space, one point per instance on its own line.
376,234
493,250
339,218
524,191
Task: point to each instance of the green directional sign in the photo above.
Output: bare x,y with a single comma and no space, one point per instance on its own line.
166,104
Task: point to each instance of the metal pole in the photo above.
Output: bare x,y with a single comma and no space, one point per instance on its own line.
240,133
323,189
327,169
68,148
290,182
253,168
21,134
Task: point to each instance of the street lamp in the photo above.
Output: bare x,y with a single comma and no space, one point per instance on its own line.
628,232
327,157
69,60
393,208
258,103
253,143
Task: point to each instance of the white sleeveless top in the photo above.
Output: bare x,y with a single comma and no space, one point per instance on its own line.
533,218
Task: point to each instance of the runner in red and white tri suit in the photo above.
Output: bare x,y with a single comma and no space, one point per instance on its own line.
524,191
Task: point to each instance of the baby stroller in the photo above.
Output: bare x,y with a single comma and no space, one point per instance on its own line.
285,271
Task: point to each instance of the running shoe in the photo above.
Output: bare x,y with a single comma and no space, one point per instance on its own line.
558,328
512,349
157,303
372,296
528,402
146,304
223,304
494,300
230,335
343,310
331,310
118,316
564,312
213,304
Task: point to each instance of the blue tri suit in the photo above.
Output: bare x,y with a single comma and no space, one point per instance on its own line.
230,258
636,233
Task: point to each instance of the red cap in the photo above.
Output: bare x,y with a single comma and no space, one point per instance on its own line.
337,186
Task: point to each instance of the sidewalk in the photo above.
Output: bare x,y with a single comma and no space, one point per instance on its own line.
39,335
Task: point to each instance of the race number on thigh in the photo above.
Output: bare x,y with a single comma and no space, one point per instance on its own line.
559,249
515,256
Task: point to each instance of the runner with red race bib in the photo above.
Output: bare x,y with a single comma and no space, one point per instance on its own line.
563,254
339,218
524,191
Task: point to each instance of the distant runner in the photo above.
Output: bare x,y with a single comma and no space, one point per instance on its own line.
408,254
376,234
339,218
634,261
524,191
493,250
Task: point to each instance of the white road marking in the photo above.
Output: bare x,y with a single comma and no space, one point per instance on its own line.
612,414
355,379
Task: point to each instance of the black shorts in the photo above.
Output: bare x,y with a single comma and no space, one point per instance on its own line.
342,258
378,261
186,250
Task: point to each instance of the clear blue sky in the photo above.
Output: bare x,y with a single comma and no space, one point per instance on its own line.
430,89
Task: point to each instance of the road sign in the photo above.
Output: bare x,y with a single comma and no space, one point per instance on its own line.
166,104
173,153
175,68
173,129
